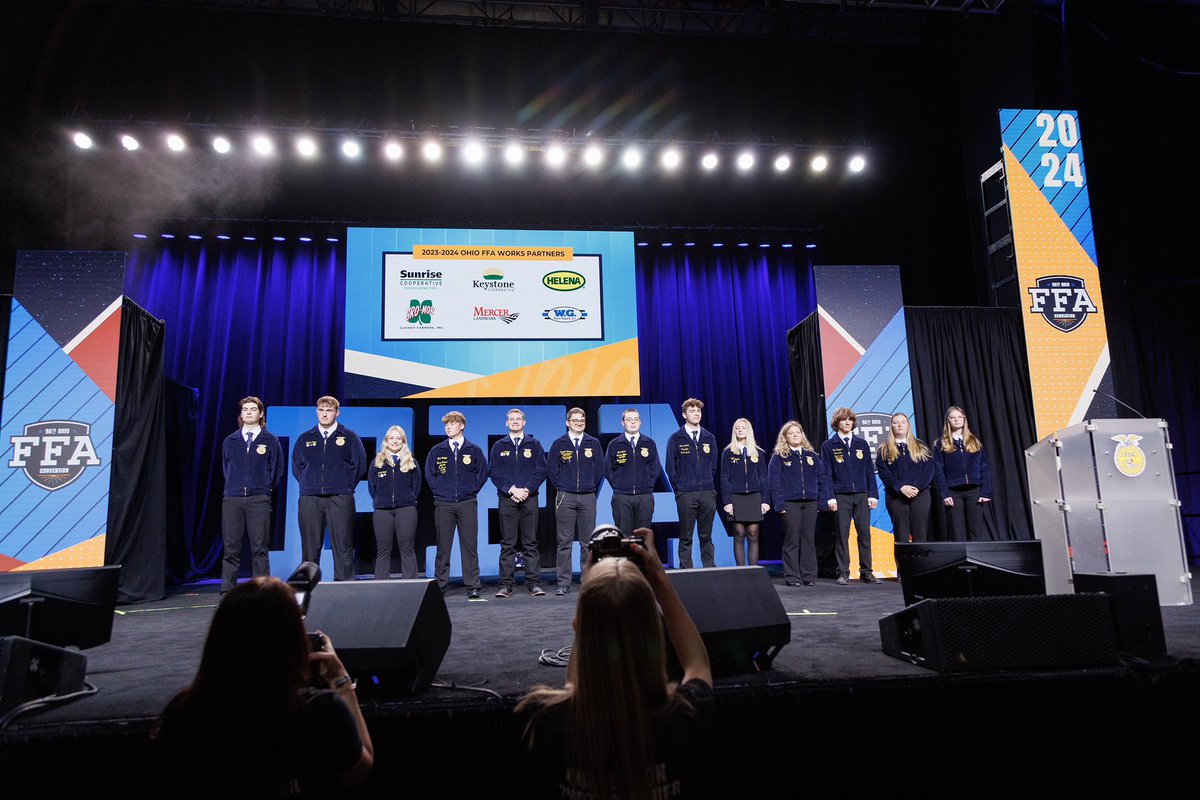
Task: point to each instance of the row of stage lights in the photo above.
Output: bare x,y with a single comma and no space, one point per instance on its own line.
225,237
475,152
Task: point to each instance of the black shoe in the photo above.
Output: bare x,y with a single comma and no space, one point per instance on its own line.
505,592
473,596
792,583
536,590
842,580
807,583
561,591
869,577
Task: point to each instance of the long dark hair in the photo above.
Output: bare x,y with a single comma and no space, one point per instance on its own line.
238,707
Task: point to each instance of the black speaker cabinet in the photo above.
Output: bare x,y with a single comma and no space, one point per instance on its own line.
1133,600
30,670
60,606
974,634
739,616
391,635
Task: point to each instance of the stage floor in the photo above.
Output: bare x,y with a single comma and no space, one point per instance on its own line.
834,713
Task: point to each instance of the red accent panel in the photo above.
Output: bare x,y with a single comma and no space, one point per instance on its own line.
97,355
8,563
838,356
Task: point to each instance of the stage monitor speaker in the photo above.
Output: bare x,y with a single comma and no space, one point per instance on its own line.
60,606
30,670
977,634
969,569
391,635
1133,600
739,616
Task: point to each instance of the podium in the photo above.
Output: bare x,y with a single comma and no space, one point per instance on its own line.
1104,500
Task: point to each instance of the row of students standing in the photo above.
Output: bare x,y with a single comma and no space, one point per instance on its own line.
796,480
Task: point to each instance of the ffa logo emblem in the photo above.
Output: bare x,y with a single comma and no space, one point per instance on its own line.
787,463
340,441
645,451
707,449
261,449
527,452
587,452
466,459
1129,458
754,459
1062,300
858,454
809,460
54,453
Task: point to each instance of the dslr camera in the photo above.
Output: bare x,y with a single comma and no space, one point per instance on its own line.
608,542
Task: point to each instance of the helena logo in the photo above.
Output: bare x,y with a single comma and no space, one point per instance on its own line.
563,280
1062,300
420,312
54,453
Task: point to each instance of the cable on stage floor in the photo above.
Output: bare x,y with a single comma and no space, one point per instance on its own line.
555,658
45,702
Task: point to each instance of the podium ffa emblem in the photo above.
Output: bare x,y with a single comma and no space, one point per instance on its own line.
1129,458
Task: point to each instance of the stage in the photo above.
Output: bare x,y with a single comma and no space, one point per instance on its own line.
833,713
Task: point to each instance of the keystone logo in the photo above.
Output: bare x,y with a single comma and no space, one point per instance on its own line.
563,280
493,274
53,453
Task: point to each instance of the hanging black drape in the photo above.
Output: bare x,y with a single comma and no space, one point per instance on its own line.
136,537
975,358
808,376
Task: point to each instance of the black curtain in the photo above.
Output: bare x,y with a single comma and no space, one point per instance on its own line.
808,376
136,537
975,358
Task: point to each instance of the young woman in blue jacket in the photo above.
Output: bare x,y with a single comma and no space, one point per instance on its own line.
905,466
394,480
963,478
745,494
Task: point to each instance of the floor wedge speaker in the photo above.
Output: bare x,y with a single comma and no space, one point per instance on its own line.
973,634
30,670
391,635
1133,600
738,613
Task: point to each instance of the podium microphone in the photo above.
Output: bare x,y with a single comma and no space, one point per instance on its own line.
1120,402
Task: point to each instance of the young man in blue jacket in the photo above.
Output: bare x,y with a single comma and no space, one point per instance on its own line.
252,462
576,467
517,465
328,461
632,468
456,470
855,495
692,454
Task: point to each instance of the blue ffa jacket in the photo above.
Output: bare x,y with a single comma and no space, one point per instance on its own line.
904,471
579,472
454,479
961,469
632,470
328,466
690,468
744,474
523,467
849,472
252,470
391,488
800,476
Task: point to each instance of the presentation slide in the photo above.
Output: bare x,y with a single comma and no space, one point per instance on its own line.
447,313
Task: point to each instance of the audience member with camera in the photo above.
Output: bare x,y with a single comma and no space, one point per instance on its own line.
618,728
251,725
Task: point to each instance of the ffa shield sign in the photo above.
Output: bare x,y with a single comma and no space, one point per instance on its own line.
54,453
1062,300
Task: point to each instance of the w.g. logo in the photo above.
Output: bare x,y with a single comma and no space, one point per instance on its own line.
53,453
420,312
1062,300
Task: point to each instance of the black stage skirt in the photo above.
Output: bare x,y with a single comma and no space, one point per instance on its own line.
747,507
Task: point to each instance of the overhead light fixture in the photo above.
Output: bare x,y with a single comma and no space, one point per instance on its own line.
432,151
671,158
351,148
593,156
392,151
129,143
514,153
783,163
175,143
306,147
710,161
556,155
857,164
473,153
632,158
745,161
82,141
262,145
819,163
221,145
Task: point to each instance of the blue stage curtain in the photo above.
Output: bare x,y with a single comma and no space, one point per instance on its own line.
242,318
713,324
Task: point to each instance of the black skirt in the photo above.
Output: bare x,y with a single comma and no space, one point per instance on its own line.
747,507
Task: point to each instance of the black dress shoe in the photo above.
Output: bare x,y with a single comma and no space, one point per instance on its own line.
868,577
808,583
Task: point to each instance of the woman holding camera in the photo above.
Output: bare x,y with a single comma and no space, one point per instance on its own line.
618,728
251,714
